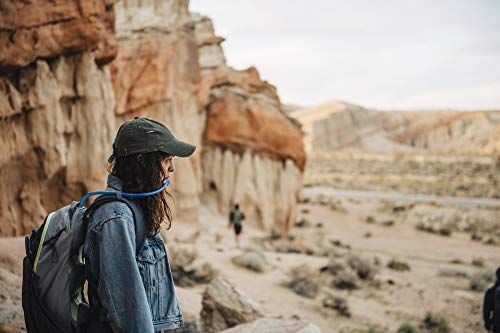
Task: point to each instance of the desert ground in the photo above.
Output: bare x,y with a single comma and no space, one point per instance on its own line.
433,272
411,171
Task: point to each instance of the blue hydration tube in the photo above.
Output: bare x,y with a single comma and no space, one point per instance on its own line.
166,182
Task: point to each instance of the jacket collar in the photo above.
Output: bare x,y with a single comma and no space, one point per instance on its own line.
115,183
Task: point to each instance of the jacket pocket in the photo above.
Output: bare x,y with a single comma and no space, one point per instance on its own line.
151,262
157,279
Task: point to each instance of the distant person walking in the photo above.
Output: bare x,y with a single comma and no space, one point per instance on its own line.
491,308
236,216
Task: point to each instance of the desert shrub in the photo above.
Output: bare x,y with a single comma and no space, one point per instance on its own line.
388,223
490,241
476,237
303,222
345,279
370,219
398,265
479,281
452,273
407,328
435,323
445,231
337,303
251,259
440,230
334,266
304,281
363,267
338,243
375,329
457,261
478,262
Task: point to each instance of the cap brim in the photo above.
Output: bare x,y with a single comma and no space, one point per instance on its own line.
111,158
180,148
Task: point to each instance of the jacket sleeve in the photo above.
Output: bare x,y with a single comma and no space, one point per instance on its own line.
488,308
121,290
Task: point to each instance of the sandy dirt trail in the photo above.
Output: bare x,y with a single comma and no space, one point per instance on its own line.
393,298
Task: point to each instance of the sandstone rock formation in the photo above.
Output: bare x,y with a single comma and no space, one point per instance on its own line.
226,306
156,74
253,153
267,325
55,122
61,102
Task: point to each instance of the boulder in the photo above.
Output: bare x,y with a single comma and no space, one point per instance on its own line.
251,259
268,325
225,306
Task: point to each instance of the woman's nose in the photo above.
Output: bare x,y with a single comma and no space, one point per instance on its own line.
171,167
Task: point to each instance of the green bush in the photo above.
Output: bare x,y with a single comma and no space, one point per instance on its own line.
435,323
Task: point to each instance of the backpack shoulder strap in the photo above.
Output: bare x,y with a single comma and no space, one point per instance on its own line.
140,228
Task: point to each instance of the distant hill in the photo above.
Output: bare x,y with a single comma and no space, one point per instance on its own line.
338,125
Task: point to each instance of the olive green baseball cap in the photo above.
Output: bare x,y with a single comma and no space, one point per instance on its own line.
145,135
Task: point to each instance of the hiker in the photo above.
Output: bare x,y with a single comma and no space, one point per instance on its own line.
130,293
491,306
236,216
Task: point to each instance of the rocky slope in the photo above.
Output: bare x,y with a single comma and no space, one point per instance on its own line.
341,125
62,100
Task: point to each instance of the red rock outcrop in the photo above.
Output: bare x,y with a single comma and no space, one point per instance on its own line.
240,124
38,29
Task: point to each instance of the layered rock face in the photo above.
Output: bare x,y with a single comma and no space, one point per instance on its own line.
61,102
474,132
55,119
253,153
341,125
156,75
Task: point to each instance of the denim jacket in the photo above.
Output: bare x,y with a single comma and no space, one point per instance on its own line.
130,293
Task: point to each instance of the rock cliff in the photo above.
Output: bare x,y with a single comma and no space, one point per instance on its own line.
252,152
68,79
55,102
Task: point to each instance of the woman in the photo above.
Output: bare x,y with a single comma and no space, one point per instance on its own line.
129,292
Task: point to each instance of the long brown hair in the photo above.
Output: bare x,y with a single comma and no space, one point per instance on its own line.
144,173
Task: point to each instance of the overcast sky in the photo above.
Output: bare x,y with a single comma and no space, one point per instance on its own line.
387,54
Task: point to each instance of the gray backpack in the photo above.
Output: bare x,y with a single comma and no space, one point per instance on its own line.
54,269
